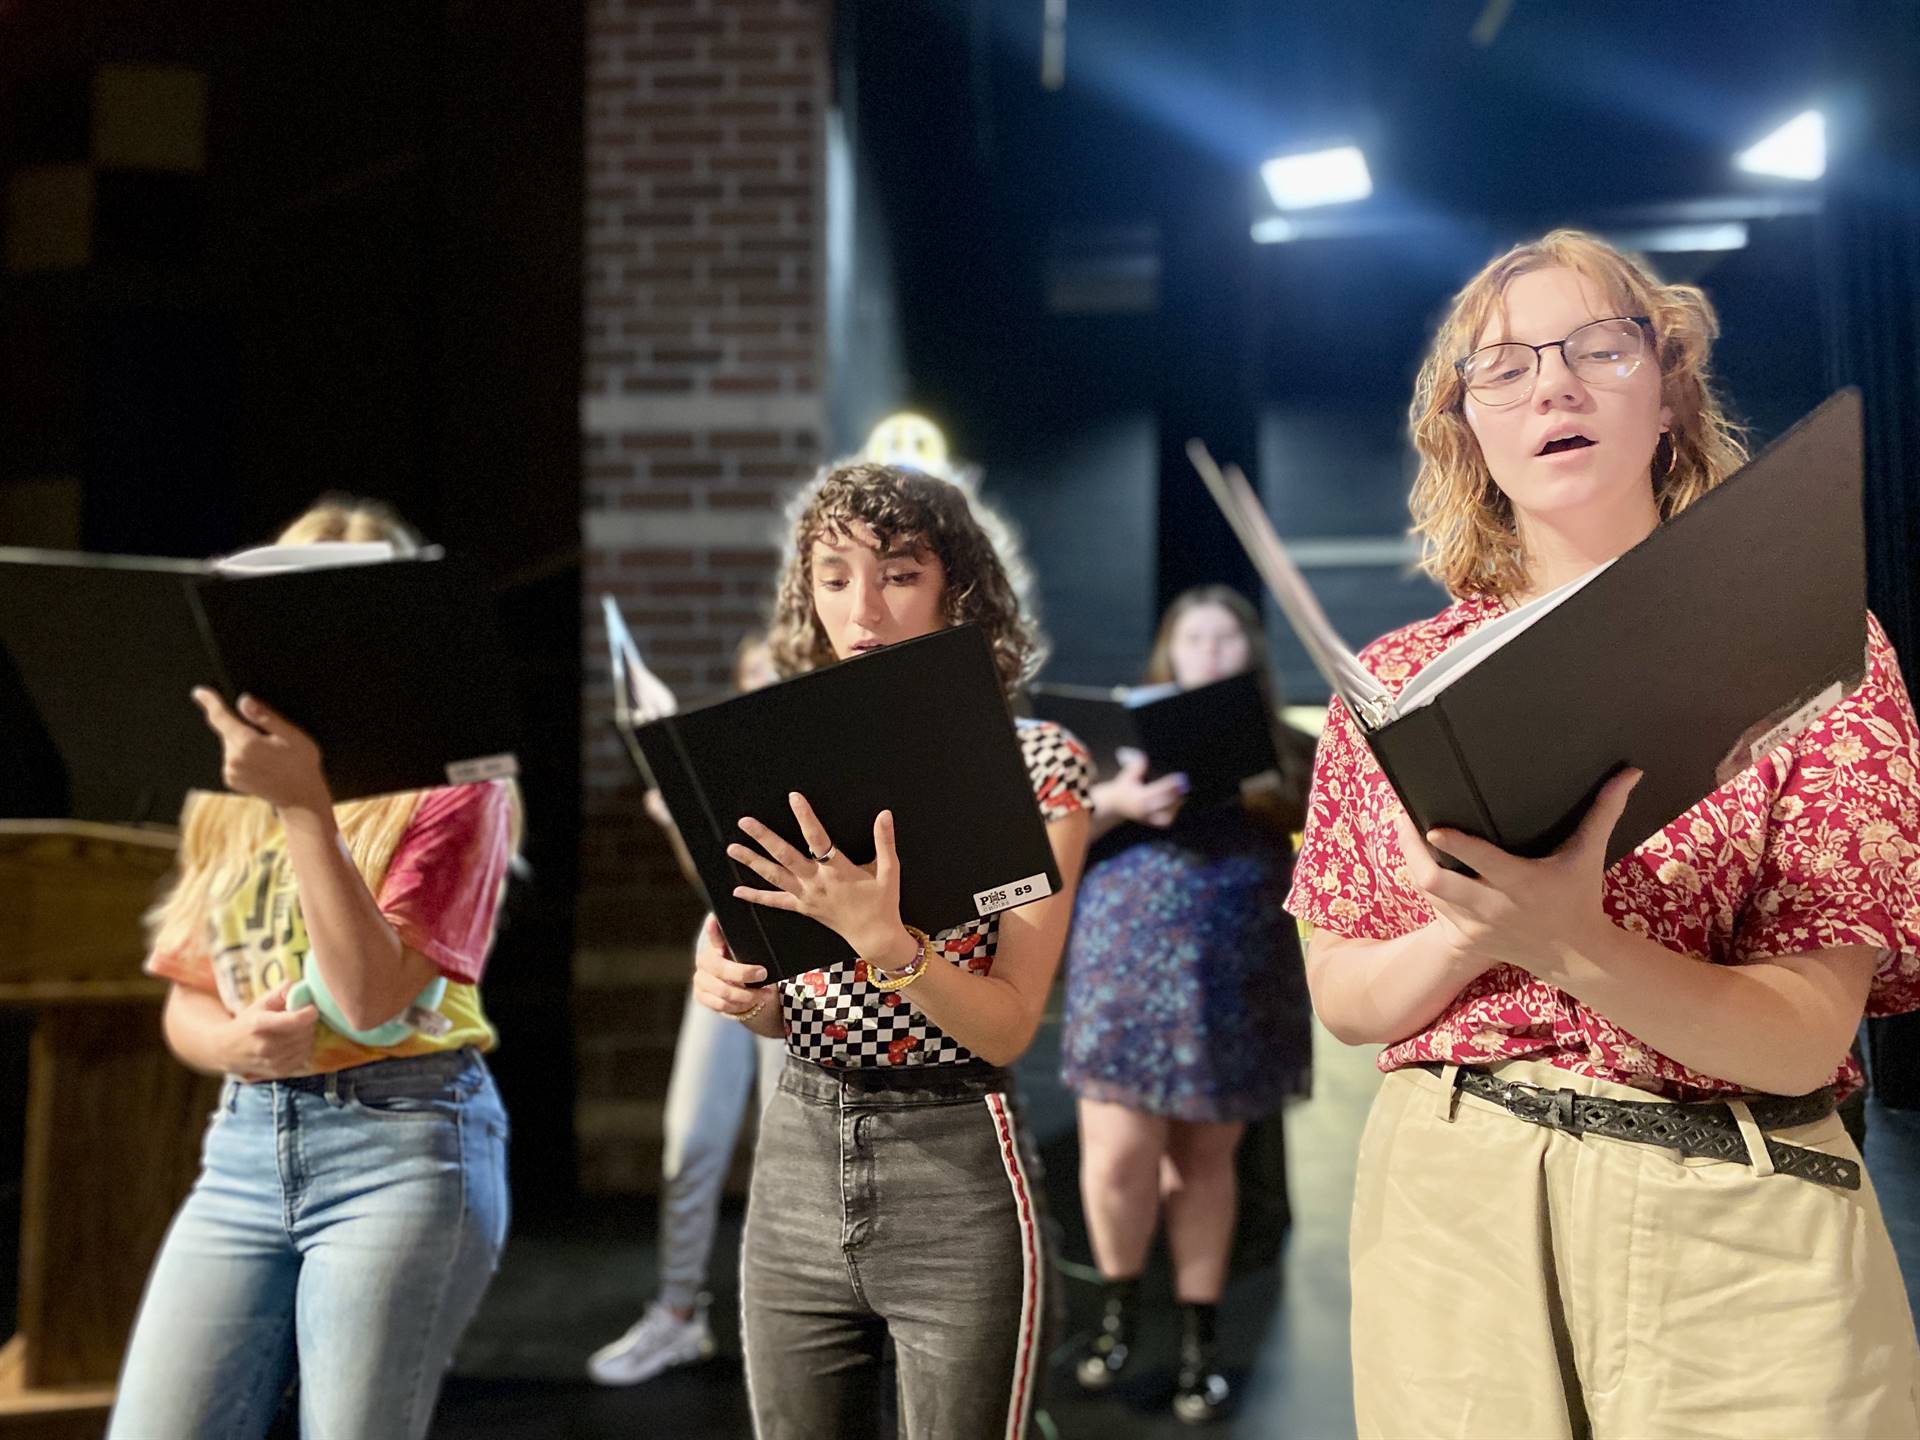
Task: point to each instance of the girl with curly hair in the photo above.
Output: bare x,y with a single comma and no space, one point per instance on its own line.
893,1193
1603,1189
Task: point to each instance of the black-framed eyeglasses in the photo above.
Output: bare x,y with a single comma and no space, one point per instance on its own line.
1599,352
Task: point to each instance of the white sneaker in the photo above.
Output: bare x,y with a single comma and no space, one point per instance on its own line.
657,1341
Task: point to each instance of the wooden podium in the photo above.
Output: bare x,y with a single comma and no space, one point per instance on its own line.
113,1119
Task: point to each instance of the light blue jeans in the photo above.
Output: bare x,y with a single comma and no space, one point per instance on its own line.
717,1063
347,1224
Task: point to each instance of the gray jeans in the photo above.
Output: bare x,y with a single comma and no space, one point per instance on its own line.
902,1204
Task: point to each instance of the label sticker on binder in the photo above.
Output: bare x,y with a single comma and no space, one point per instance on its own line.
487,767
1796,722
1005,897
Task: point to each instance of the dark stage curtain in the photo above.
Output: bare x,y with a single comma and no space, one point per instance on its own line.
1870,267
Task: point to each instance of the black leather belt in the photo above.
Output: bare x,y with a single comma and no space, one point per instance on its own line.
1705,1128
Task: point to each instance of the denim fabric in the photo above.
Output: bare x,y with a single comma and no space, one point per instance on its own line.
900,1204
717,1064
344,1224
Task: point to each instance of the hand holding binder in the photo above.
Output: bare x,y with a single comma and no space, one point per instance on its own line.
264,754
1156,803
393,669
1218,735
920,730
1507,910
639,696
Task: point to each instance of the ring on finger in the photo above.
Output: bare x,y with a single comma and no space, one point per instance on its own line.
832,850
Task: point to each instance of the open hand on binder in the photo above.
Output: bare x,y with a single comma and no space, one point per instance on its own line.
938,752
859,903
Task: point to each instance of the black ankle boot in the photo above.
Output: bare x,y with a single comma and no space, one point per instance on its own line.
1201,1391
1103,1357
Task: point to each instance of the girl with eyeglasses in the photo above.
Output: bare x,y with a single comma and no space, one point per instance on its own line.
1520,1278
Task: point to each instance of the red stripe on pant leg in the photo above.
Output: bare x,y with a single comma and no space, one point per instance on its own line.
1023,1363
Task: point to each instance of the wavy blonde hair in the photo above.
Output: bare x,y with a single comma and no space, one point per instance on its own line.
220,835
1465,524
351,520
977,549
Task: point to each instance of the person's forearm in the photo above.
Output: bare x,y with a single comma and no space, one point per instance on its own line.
367,968
768,1022
991,1015
195,1025
1376,992
995,1015
992,1018
1774,1027
1771,1027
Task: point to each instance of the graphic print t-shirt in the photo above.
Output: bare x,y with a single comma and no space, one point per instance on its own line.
441,894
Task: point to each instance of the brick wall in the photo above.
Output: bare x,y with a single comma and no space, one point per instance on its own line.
701,402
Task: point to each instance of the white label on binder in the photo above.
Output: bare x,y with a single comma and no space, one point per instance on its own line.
1005,897
1796,722
487,767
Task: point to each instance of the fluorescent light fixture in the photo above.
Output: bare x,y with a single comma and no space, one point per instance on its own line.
1319,177
1796,151
1274,230
1671,239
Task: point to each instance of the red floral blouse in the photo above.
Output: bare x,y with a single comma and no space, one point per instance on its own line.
1817,846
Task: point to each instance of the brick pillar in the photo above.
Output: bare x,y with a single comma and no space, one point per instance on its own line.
701,402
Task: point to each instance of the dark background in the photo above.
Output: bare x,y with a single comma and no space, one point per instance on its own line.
1071,291
374,285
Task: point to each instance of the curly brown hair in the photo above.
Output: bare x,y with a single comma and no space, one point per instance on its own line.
1466,525
975,547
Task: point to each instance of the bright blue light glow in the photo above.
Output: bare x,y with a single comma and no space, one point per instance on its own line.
1796,151
1319,177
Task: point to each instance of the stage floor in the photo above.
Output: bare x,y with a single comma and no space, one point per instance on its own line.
570,1283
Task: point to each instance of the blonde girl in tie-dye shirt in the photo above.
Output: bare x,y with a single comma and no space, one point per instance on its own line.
352,1198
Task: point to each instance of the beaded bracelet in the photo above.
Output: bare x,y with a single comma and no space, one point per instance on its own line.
899,980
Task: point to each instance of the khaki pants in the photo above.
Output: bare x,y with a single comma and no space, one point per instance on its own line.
1514,1281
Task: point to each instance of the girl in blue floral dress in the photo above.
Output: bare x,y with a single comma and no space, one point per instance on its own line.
1186,1007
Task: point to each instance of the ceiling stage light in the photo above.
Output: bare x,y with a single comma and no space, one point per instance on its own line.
1796,151
1318,177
